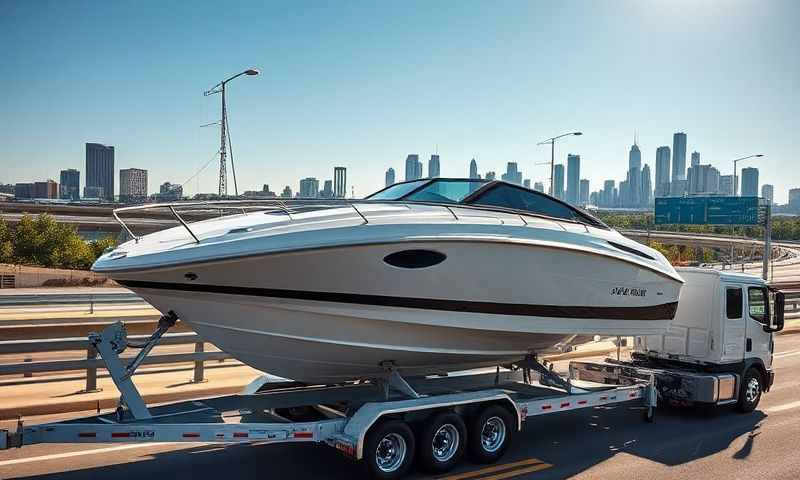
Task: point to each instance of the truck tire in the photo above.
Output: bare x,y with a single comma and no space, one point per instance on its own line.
750,391
441,442
490,433
389,450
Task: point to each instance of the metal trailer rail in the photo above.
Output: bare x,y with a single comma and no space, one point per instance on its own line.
353,417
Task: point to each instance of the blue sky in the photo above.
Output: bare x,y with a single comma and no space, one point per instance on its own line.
362,84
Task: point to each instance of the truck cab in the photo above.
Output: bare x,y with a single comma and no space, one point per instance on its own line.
719,347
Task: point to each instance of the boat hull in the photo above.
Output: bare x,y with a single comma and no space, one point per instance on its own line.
334,314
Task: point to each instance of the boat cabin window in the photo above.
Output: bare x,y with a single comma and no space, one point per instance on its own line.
445,191
397,191
520,199
733,303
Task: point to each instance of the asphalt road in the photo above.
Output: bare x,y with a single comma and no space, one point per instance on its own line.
599,443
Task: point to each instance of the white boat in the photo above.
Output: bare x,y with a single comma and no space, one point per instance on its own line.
425,276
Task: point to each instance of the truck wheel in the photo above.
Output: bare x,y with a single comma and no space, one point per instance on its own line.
489,434
750,391
389,450
441,442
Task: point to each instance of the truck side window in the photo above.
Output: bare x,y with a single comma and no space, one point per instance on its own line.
733,303
755,301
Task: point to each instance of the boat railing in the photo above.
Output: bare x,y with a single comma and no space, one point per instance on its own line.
178,210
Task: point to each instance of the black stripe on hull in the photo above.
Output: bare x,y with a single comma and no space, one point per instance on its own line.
664,311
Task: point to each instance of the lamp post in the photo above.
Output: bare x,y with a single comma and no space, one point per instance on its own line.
735,172
225,135
552,142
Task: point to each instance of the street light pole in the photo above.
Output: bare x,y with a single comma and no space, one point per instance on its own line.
552,142
224,135
735,172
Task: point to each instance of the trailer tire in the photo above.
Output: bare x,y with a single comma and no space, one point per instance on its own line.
490,433
441,442
750,391
389,450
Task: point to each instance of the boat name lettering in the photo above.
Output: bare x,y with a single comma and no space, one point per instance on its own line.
629,292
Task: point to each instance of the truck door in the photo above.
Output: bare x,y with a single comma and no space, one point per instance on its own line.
734,327
758,343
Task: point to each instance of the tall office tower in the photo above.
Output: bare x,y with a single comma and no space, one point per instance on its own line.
309,187
624,198
473,169
558,181
702,179
526,183
327,190
726,185
679,156
132,185
170,192
646,194
583,197
100,168
390,177
339,182
749,182
607,198
662,171
768,193
538,186
433,166
412,167
794,199
489,176
678,188
287,192
512,175
695,158
634,176
573,178
70,184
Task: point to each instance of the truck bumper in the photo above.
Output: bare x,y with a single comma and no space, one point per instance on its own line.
770,379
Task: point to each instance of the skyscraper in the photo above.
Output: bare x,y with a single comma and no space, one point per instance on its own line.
583,197
327,189
702,179
634,176
794,199
433,166
132,185
607,197
70,184
749,182
695,158
100,168
309,187
413,167
646,195
726,185
526,183
538,186
339,182
573,178
679,156
662,171
390,177
473,169
512,175
768,193
489,176
558,181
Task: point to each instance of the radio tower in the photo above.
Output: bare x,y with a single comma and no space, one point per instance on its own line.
224,136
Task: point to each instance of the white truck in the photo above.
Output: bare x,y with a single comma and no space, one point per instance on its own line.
718,351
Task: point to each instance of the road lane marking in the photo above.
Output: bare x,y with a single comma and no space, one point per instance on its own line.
57,456
786,354
785,406
540,465
521,471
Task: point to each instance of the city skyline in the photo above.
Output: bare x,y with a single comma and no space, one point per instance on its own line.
303,116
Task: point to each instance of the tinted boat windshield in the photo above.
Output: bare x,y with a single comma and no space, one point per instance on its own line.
447,191
397,191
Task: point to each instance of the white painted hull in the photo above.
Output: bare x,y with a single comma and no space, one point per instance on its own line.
333,314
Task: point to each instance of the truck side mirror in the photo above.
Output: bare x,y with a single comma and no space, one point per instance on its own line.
780,301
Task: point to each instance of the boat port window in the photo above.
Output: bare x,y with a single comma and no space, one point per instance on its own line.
733,303
445,191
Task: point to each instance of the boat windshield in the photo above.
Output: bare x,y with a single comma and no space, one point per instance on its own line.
397,191
445,191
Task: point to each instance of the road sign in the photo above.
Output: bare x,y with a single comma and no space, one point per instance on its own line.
708,211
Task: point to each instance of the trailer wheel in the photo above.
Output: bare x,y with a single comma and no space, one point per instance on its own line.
489,434
441,442
750,391
389,450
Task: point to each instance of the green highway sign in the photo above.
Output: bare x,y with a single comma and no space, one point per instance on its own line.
708,211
